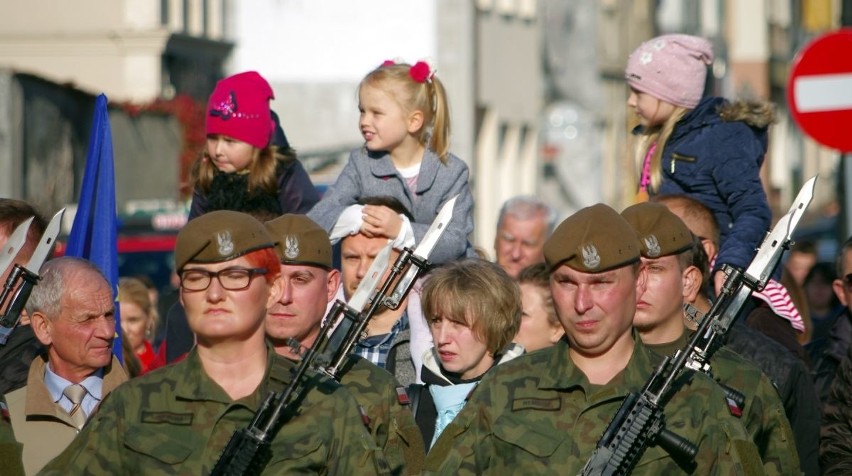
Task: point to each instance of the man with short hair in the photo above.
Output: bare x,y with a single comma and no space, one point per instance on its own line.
179,418
671,280
72,313
389,340
523,225
22,347
310,283
544,412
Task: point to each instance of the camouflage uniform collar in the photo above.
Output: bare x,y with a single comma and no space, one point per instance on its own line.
669,348
564,375
196,385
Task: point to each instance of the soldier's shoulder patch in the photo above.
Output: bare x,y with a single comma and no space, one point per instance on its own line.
171,418
546,404
4,411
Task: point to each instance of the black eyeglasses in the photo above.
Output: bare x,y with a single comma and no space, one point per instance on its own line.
232,279
847,281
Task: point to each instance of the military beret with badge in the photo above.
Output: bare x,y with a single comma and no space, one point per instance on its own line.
593,240
300,241
661,232
219,236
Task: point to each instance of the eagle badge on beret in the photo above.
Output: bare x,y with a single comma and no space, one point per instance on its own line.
591,258
652,244
225,243
291,247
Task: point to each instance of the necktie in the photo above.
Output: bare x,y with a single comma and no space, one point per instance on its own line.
75,393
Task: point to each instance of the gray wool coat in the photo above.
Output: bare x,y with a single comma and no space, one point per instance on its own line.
369,174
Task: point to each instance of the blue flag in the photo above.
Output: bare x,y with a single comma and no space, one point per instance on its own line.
94,232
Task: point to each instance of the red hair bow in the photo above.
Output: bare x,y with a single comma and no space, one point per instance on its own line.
420,72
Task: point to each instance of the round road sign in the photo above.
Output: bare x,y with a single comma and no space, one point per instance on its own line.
819,92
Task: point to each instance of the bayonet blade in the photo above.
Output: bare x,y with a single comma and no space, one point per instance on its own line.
778,239
436,229
422,251
14,244
48,239
368,285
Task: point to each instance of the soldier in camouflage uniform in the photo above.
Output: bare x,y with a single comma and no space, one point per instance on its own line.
310,283
178,419
544,412
668,251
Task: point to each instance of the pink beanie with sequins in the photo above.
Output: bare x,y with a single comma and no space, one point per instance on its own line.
671,67
239,108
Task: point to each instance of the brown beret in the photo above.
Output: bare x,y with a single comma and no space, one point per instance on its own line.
593,240
220,236
661,232
300,241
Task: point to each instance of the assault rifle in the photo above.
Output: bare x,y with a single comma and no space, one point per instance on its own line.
248,450
19,284
640,421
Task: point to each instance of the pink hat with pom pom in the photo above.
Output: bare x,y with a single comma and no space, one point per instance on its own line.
671,67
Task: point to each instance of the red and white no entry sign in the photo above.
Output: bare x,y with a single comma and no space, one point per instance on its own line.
819,93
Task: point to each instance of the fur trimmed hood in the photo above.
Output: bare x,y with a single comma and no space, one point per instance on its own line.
755,113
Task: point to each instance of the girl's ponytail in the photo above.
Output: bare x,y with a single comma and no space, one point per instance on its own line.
440,141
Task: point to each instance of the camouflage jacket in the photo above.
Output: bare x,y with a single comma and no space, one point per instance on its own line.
538,414
389,418
176,420
762,412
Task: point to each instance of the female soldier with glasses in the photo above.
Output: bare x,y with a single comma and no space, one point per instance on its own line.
179,418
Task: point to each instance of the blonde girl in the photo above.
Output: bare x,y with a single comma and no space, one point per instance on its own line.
405,122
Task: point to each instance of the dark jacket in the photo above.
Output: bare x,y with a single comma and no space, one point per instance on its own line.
790,376
16,357
229,191
826,354
714,155
835,448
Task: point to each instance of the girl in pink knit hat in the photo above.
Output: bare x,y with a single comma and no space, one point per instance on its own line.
708,148
248,165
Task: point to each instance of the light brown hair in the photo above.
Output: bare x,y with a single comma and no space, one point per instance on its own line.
478,294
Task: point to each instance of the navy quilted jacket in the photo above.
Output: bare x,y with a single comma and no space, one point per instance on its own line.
714,156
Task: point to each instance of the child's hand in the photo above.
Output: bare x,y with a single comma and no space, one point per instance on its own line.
380,221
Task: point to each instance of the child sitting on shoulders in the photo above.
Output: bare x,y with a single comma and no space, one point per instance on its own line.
248,164
405,123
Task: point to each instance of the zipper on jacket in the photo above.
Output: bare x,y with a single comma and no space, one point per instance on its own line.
676,157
